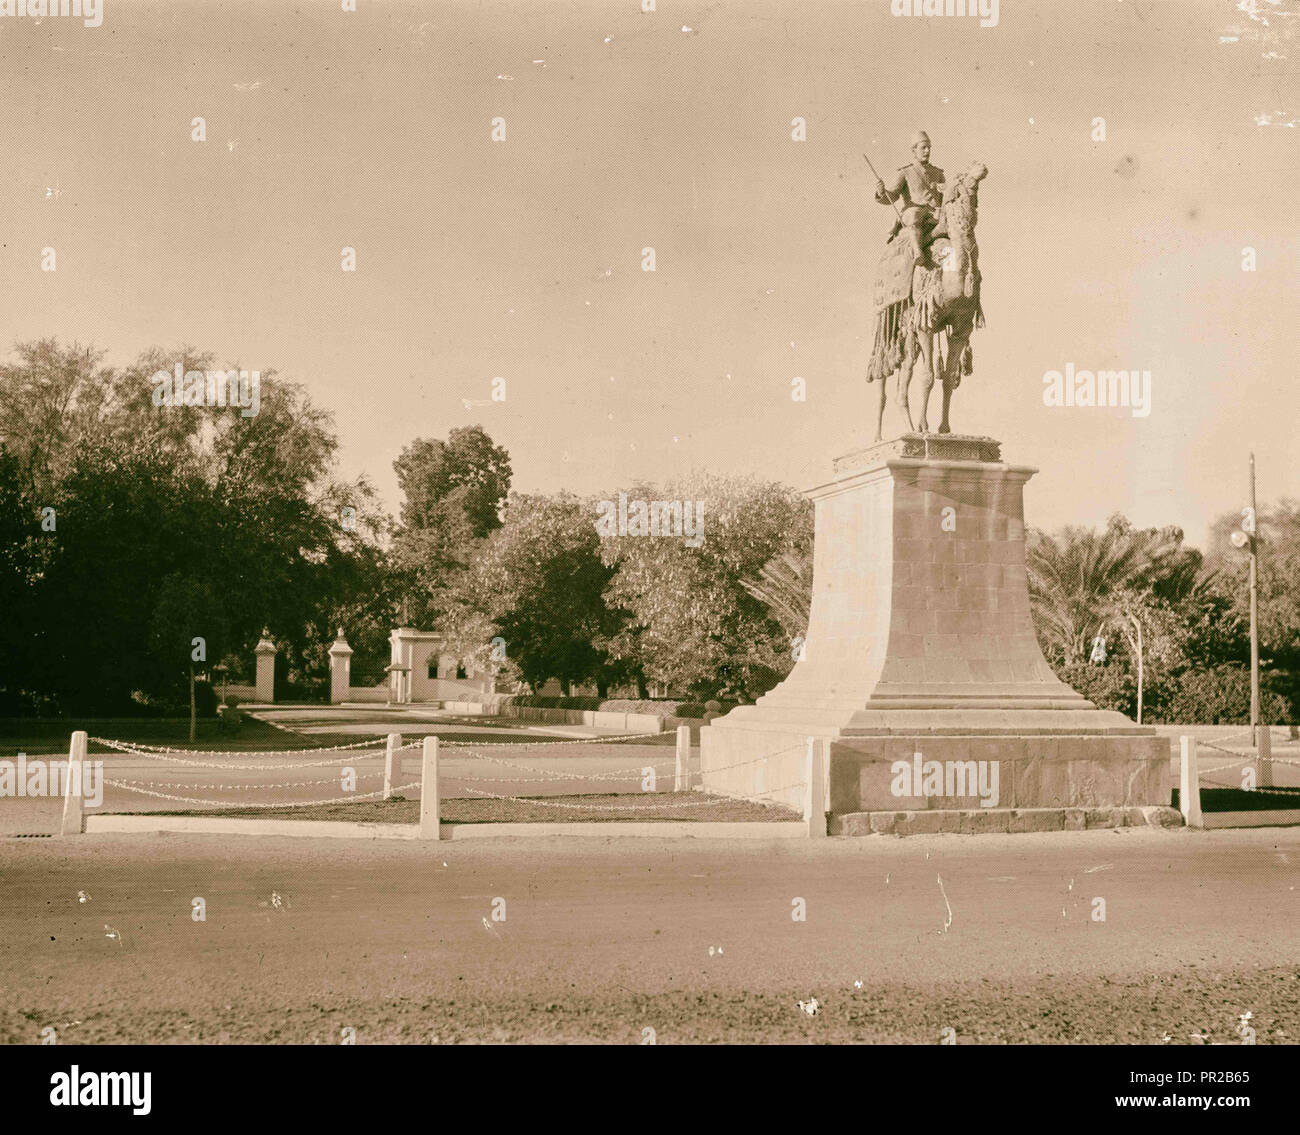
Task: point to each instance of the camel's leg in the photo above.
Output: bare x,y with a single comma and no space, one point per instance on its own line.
930,360
905,380
951,372
880,418
944,428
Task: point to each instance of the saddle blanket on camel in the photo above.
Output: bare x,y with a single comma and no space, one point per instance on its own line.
903,299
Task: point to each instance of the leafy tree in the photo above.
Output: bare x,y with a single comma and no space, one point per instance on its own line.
453,492
538,584
1192,612
24,551
52,399
1278,545
126,520
429,471
694,624
244,505
189,620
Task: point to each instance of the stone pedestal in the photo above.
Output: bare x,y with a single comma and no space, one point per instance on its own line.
920,641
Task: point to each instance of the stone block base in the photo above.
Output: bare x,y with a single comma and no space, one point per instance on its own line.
976,821
997,772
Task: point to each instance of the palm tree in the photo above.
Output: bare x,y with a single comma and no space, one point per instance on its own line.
784,586
1077,576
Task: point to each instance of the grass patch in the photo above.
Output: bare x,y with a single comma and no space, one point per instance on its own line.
43,738
1238,800
648,808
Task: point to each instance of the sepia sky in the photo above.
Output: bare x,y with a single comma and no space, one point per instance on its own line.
522,259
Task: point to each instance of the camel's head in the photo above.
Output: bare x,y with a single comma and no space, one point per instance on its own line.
963,196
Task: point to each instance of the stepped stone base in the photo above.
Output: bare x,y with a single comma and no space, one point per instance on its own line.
920,641
1011,820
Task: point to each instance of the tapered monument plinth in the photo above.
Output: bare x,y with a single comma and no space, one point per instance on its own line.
920,640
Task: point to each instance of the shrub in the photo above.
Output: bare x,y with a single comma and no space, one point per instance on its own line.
1109,686
539,701
27,703
661,707
205,699
229,718
1221,696
309,690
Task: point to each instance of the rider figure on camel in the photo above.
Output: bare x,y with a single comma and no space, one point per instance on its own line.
919,186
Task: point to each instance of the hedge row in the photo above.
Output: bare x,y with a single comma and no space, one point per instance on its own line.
1219,695
657,707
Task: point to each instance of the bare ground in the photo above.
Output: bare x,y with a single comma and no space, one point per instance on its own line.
991,936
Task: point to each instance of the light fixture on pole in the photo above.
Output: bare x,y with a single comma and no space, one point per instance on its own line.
1247,537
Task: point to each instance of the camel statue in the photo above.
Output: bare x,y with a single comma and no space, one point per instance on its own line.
935,321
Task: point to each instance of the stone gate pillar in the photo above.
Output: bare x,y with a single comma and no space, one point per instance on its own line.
266,652
340,669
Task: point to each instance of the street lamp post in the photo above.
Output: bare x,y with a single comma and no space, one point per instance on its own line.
1137,625
1123,615
1254,614
1248,537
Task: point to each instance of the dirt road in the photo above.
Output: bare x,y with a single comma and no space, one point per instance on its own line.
992,936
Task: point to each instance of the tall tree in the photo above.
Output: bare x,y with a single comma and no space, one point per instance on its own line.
694,625
1076,574
188,629
453,492
25,543
51,399
537,586
1278,529
468,467
244,504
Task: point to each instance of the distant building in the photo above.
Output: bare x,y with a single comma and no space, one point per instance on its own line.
429,672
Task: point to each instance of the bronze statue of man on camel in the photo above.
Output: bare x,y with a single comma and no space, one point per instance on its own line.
926,297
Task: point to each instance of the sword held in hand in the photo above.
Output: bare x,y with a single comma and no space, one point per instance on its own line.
877,176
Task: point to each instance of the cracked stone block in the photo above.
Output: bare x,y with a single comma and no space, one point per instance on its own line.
1037,820
987,820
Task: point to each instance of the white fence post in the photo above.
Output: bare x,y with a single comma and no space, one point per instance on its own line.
1189,784
429,822
74,816
815,802
392,764
682,779
1264,759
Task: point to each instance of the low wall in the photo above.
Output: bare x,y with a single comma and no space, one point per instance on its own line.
432,692
369,694
452,689
597,719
